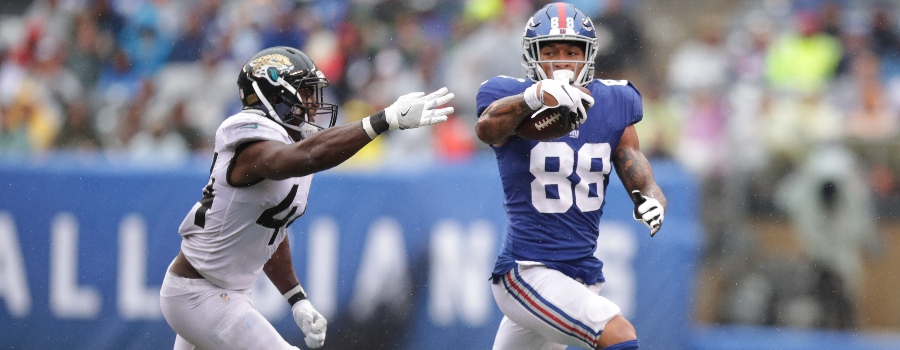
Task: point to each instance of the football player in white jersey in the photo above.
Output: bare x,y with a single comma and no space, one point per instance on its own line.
259,181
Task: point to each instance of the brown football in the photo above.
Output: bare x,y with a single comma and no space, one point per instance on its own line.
551,123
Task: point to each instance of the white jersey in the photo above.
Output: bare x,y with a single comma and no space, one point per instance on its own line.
233,230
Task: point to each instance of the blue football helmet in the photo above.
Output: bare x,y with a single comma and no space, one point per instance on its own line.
556,22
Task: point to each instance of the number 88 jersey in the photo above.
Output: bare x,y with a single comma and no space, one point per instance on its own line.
233,230
554,191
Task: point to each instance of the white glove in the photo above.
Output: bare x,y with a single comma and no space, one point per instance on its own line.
415,109
648,211
582,112
311,323
566,96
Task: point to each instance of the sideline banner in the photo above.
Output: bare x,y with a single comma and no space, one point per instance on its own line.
393,259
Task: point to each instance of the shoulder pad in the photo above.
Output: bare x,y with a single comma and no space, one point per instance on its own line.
250,125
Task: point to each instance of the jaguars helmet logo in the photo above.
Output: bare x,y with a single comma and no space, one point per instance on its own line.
271,66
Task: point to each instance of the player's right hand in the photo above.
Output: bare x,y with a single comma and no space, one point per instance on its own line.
416,109
556,93
311,322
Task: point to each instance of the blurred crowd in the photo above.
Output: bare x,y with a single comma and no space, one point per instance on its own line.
750,103
153,79
788,111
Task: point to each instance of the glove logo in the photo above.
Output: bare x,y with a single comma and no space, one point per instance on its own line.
403,114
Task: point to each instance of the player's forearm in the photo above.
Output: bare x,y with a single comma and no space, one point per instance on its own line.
327,149
499,121
635,172
280,268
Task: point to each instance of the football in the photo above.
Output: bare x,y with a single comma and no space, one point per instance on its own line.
550,123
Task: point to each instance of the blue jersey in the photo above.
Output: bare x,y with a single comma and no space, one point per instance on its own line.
555,190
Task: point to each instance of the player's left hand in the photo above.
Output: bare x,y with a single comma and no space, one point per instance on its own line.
648,211
417,109
311,322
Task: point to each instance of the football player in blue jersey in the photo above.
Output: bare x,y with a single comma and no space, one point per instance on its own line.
546,279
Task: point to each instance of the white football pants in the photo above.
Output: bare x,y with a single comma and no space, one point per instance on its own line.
547,310
208,317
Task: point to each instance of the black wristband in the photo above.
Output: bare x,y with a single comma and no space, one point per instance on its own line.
296,297
379,123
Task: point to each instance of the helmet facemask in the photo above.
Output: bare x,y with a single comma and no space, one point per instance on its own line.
533,65
559,22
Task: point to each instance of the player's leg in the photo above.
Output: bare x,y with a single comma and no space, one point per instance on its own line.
512,336
619,334
210,317
555,306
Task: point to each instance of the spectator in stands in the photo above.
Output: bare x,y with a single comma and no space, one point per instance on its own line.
27,125
494,48
146,43
196,140
355,61
659,135
118,80
804,60
701,65
56,86
54,17
77,132
871,118
621,46
191,41
158,145
284,30
84,59
698,72
884,38
131,121
13,134
110,23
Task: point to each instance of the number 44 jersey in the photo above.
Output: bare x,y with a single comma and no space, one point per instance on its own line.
233,230
555,190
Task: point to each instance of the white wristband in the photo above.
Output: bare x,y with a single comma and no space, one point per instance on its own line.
531,97
367,126
298,289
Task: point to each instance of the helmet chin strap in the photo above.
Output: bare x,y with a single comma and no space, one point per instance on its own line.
305,129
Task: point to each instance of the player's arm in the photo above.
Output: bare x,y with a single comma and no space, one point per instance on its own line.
636,174
277,160
499,120
633,167
280,270
330,147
